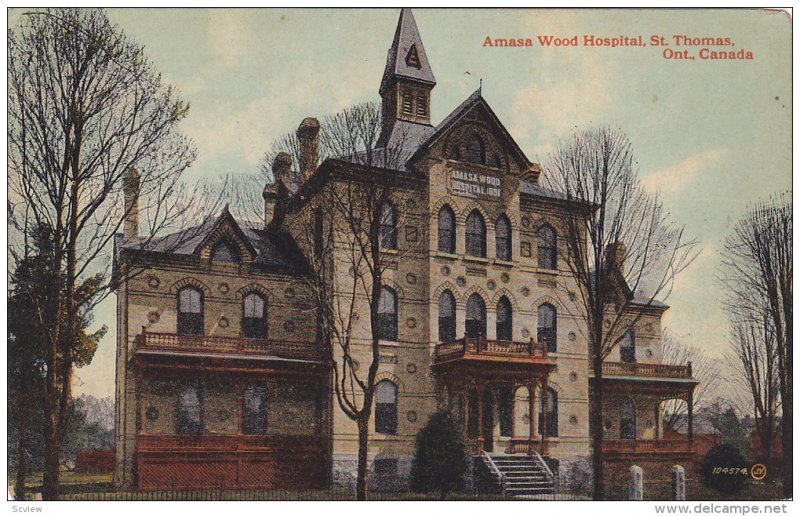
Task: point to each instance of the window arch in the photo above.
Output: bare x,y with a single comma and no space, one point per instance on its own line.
387,314
627,346
454,152
502,238
475,233
627,424
447,230
190,311
547,325
189,410
224,252
388,232
476,150
386,408
447,317
254,316
552,414
476,317
504,320
547,248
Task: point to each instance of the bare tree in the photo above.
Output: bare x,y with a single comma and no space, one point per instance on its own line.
705,371
86,109
757,276
625,243
346,218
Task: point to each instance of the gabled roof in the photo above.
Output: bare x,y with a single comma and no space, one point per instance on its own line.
472,102
406,57
224,218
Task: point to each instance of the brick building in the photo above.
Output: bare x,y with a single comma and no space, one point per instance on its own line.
222,379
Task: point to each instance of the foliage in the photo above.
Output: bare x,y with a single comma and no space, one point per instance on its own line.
722,469
440,459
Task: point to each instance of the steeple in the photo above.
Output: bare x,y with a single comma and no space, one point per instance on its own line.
408,79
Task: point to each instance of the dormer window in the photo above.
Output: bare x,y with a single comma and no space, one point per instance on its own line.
412,57
224,252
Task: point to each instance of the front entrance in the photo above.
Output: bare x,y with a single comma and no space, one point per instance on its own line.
488,420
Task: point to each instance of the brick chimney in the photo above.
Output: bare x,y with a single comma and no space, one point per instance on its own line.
615,256
131,185
277,193
309,148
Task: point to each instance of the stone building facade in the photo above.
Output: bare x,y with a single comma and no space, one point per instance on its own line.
223,380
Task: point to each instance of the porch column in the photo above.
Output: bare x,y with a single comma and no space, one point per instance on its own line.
658,417
480,413
544,417
531,414
690,405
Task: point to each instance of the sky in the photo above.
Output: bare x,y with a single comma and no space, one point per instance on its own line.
709,136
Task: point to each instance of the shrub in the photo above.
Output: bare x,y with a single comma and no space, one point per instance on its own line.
722,469
440,460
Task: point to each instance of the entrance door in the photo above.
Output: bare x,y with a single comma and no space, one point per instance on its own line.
488,420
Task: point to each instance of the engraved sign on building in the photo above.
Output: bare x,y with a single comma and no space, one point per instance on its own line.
472,184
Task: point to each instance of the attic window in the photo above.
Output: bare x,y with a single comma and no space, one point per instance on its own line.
412,57
224,252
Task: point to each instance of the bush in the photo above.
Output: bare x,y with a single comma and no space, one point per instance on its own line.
722,469
440,460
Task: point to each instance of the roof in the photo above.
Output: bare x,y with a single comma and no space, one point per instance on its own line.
407,49
275,250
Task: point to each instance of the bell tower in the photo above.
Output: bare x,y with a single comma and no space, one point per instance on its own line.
408,79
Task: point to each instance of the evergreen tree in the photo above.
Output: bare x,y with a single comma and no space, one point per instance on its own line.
440,460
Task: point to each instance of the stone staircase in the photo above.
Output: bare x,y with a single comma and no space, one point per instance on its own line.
521,475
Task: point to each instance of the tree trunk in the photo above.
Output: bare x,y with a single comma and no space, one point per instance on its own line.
786,442
363,435
596,424
22,465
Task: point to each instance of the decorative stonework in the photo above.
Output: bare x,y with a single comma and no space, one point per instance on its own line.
153,317
154,282
572,295
289,326
525,291
224,322
152,413
411,416
525,333
548,283
289,293
461,281
571,336
648,326
573,376
505,278
411,322
491,285
573,420
526,222
411,278
223,288
445,270
411,234
411,368
474,271
525,249
387,359
649,353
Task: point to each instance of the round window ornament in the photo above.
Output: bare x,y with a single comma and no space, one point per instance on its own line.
572,336
153,317
526,222
573,420
224,288
491,285
525,291
289,326
411,416
525,333
151,413
649,326
573,376
154,282
445,270
411,278
572,296
411,322
461,281
411,368
649,353
505,278
224,322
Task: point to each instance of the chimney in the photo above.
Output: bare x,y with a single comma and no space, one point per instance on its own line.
277,193
130,188
309,153
615,256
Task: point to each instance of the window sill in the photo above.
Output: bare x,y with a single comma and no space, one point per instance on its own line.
504,263
548,272
389,251
476,259
446,256
388,343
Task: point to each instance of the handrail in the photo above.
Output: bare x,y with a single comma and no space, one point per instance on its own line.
544,464
490,347
500,475
647,370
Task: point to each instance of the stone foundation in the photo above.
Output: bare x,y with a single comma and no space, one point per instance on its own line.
386,472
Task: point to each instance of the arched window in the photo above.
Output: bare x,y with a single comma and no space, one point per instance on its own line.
447,317
547,248
552,414
502,238
627,424
388,232
476,317
547,326
627,347
505,321
454,153
475,241
447,230
476,151
254,317
497,160
254,421
189,410
386,408
387,314
224,252
190,311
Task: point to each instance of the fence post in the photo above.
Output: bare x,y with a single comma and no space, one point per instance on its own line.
678,482
636,484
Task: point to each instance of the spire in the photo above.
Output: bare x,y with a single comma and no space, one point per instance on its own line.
407,58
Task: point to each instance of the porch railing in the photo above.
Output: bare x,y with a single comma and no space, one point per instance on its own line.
501,348
647,370
219,344
648,445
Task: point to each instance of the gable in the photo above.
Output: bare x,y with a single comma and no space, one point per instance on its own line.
227,232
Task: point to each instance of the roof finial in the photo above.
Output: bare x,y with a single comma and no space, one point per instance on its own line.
480,85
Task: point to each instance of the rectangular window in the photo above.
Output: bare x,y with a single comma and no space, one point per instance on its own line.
189,411
254,420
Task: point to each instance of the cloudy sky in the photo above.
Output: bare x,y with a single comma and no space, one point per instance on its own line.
711,136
